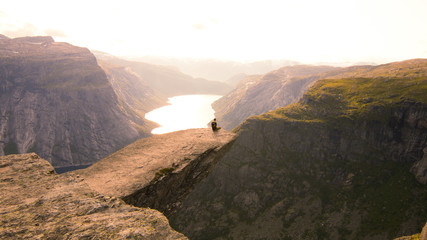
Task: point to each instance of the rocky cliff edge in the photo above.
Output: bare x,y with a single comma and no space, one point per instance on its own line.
37,203
158,172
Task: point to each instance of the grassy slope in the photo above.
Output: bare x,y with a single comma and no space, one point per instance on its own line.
354,94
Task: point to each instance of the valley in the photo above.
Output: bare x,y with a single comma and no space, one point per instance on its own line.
316,152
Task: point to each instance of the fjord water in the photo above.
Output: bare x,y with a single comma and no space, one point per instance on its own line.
184,112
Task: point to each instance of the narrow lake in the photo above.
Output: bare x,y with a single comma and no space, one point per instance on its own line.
184,112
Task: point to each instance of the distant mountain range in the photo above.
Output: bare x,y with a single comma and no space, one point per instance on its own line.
218,70
168,80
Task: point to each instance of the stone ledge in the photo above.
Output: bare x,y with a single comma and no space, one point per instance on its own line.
37,203
158,172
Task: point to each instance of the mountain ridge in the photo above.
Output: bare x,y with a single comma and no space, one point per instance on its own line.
258,94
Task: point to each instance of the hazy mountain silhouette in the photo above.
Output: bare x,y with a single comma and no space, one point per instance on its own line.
168,80
214,69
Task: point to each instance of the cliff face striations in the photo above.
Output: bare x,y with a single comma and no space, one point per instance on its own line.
156,172
56,101
345,162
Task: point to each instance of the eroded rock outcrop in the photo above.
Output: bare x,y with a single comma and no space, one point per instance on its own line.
37,203
158,172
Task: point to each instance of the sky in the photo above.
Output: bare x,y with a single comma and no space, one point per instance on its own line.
307,31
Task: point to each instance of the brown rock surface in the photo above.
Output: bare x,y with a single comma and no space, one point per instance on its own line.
36,203
159,171
423,235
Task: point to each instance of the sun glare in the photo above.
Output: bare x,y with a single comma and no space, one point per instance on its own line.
306,30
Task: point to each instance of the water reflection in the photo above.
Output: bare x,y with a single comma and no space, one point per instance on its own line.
185,112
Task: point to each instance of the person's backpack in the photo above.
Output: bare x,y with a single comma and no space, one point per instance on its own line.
213,125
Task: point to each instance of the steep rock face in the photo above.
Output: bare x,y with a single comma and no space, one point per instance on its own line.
335,165
135,96
158,172
132,88
36,203
419,169
56,101
260,94
168,80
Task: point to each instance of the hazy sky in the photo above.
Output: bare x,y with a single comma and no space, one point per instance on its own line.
302,30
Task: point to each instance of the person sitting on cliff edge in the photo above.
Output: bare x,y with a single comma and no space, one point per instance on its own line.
215,125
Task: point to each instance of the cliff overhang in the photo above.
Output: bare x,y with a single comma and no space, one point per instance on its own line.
38,203
158,172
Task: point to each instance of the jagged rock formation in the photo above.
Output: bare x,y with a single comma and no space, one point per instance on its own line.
168,80
335,165
37,203
56,101
158,172
259,94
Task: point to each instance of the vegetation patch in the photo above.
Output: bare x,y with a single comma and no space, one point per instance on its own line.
333,100
163,172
